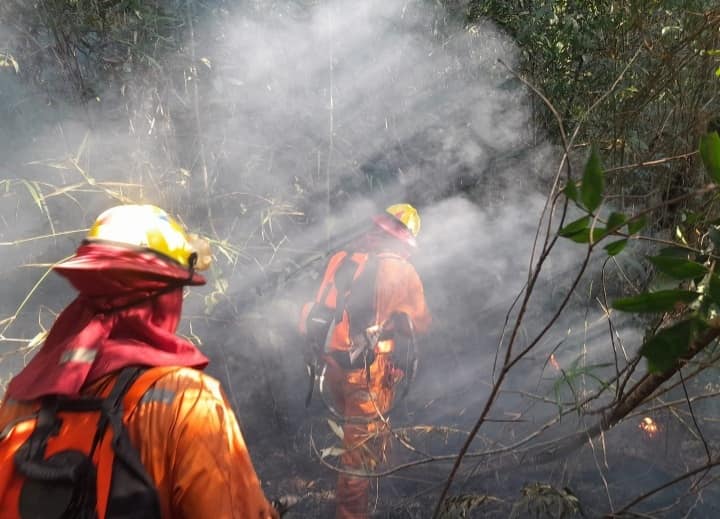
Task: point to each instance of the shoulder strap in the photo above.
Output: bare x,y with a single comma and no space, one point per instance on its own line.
360,305
123,383
112,405
129,387
322,296
343,282
30,457
121,446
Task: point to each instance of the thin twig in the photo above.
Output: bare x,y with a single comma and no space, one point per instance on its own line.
707,466
649,163
697,425
533,276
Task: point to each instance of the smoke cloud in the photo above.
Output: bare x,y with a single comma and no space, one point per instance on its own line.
279,132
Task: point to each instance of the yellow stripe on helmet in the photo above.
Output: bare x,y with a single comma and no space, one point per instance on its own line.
145,226
407,214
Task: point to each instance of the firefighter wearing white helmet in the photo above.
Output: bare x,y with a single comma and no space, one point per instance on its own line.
113,416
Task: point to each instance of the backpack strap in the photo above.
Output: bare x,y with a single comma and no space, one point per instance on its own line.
30,459
360,304
121,445
343,280
322,296
112,405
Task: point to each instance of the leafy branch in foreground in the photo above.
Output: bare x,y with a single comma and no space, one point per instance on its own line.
696,299
690,322
688,302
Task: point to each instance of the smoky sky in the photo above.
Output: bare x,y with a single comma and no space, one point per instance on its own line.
278,130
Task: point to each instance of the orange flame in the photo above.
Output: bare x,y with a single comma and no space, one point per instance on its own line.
554,362
648,426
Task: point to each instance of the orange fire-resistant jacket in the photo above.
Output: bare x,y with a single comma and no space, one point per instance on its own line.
398,288
191,446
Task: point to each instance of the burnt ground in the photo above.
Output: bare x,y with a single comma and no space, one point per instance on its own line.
268,392
259,362
256,354
631,464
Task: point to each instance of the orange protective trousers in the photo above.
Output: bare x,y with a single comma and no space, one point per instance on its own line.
365,431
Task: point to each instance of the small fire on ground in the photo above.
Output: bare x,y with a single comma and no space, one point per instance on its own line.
554,362
649,427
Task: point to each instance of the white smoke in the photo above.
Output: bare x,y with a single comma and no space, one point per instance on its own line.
290,128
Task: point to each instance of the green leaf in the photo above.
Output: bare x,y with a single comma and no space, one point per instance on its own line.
691,217
616,247
591,189
615,221
661,301
710,153
674,252
678,268
574,227
570,191
598,233
635,226
583,236
576,370
665,347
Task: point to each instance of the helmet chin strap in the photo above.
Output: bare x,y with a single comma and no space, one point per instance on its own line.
192,261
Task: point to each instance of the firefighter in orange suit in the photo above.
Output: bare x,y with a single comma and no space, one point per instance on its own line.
372,295
130,272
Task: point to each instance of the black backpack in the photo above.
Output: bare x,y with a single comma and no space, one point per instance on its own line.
74,459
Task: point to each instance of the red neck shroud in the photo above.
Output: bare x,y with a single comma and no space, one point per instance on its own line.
396,229
126,314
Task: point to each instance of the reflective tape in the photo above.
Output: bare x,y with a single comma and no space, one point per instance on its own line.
160,395
79,355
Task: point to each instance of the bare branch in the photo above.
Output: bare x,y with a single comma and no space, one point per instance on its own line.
646,495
